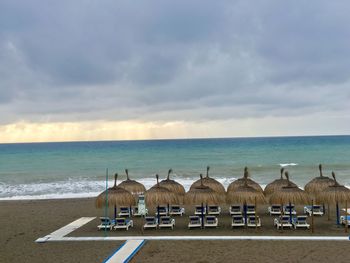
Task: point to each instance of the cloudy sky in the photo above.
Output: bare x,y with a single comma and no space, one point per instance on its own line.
101,70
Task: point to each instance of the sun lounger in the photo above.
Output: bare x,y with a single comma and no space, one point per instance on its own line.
300,222
287,210
151,222
124,211
176,210
195,222
318,210
282,221
343,220
106,223
163,210
135,211
237,221
211,221
167,222
198,210
250,209
235,210
253,221
214,210
123,223
275,210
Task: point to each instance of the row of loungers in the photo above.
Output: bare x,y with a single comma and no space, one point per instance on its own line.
177,210
195,221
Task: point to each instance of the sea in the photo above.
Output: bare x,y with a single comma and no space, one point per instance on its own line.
81,169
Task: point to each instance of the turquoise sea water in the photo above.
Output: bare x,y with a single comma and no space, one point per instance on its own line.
77,169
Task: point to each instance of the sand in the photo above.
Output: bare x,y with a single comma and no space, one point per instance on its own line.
22,222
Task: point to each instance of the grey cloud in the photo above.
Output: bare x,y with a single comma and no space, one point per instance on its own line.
182,60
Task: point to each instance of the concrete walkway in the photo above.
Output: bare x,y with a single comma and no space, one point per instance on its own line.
124,253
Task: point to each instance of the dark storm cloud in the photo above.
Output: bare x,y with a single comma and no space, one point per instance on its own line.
175,60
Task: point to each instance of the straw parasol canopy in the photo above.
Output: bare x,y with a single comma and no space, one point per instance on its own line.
290,194
202,194
131,185
160,195
335,193
241,181
245,194
318,184
172,185
210,182
117,196
277,184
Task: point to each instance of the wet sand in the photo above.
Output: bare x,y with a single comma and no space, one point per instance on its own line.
22,222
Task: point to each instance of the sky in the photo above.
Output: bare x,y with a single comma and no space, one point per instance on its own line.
115,70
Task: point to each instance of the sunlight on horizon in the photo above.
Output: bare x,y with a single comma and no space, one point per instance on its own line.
141,130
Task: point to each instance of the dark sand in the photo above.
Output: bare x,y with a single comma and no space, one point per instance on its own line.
22,222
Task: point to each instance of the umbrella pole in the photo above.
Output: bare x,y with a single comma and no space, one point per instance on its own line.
115,211
256,219
158,215
290,212
281,215
106,207
337,208
324,208
202,215
328,212
346,216
245,213
312,216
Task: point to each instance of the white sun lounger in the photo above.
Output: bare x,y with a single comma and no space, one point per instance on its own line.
176,210
287,210
282,221
214,210
253,221
123,223
167,222
198,210
250,209
235,210
343,220
163,210
275,210
106,223
318,210
211,221
151,222
195,222
300,222
135,211
237,221
124,211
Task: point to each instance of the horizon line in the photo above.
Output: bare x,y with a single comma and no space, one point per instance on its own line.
184,138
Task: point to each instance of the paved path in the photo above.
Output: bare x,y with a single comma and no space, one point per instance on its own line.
63,231
124,253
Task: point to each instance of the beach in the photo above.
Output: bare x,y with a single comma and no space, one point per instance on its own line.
22,222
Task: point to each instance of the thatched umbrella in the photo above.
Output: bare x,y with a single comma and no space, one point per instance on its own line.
318,184
277,184
245,194
211,182
116,196
335,193
172,185
290,194
132,186
202,194
157,195
241,181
